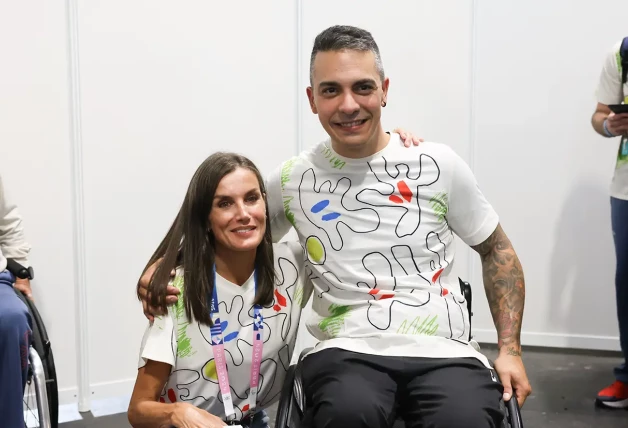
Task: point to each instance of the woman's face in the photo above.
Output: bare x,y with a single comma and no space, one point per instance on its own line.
238,214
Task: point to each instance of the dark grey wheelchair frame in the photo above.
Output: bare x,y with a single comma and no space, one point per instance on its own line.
42,365
292,403
42,371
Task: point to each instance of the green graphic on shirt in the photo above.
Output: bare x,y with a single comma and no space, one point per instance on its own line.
286,209
184,347
622,153
333,323
286,170
315,249
428,327
298,295
333,160
440,205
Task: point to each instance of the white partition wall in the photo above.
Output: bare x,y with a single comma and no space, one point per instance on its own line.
163,84
35,162
542,165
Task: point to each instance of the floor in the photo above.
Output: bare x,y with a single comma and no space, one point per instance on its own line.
564,384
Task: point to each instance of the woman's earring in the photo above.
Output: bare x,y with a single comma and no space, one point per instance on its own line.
384,104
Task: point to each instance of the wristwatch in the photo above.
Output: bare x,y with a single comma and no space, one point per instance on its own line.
20,271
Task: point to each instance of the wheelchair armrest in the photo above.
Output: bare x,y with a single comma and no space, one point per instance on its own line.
515,413
20,271
292,399
284,408
297,391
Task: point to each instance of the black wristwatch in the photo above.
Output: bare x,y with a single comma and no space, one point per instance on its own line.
20,271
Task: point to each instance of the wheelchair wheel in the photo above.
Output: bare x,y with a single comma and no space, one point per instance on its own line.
36,408
41,344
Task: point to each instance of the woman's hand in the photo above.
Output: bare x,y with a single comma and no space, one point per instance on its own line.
186,415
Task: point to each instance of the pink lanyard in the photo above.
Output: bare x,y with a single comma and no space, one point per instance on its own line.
219,353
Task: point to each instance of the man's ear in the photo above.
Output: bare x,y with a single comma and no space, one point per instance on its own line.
310,97
385,85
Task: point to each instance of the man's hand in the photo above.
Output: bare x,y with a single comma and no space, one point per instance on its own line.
407,138
617,124
24,285
513,376
144,281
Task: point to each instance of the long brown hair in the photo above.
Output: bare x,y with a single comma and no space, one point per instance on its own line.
189,244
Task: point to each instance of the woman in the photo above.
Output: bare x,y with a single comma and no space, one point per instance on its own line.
240,303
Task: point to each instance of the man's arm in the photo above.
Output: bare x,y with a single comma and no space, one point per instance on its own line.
505,289
13,245
609,91
616,124
12,241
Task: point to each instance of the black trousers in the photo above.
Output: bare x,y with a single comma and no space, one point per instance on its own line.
350,390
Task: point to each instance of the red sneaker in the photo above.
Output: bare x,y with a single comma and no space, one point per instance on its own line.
615,395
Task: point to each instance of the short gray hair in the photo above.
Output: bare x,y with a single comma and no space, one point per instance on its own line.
341,37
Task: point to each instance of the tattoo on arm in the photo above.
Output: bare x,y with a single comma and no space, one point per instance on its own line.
505,289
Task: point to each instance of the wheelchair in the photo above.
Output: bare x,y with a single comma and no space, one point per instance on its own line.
292,405
41,395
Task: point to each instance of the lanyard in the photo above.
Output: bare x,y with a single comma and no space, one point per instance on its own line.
219,353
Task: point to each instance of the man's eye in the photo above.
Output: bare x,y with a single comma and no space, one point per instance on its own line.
328,91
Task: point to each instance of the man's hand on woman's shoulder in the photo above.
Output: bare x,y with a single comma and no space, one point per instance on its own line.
172,292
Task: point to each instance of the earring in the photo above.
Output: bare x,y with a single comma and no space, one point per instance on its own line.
384,104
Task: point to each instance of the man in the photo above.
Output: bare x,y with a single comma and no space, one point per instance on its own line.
377,223
613,89
375,220
15,322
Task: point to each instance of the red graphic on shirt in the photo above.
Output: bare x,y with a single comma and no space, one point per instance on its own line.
380,294
435,278
171,396
245,408
437,275
404,190
281,301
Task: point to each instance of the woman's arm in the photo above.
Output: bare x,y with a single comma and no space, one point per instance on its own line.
145,410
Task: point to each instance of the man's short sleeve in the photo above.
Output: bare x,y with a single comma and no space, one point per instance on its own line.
160,341
469,214
279,223
609,89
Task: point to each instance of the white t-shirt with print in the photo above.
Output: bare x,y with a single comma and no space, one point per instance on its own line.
379,234
611,91
185,345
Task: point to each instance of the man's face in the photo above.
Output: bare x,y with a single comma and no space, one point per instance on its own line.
347,94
